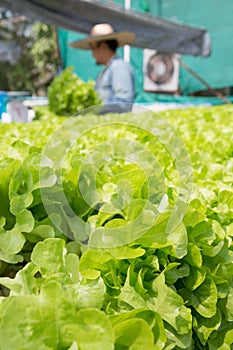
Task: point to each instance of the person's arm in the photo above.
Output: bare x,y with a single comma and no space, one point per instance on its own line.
122,85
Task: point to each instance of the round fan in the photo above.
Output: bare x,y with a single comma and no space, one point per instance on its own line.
160,68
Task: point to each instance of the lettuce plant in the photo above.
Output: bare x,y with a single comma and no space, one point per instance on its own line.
163,280
69,94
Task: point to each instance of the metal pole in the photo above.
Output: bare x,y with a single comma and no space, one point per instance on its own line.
127,47
215,92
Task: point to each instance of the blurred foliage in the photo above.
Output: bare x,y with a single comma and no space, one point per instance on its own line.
68,94
38,60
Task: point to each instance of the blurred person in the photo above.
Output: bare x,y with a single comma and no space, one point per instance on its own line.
115,84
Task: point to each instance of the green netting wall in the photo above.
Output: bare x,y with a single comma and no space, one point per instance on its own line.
217,69
216,16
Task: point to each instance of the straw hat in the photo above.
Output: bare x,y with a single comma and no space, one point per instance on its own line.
102,32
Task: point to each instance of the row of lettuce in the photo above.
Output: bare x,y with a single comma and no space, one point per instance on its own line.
108,241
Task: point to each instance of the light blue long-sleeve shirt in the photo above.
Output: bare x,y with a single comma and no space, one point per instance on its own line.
115,86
